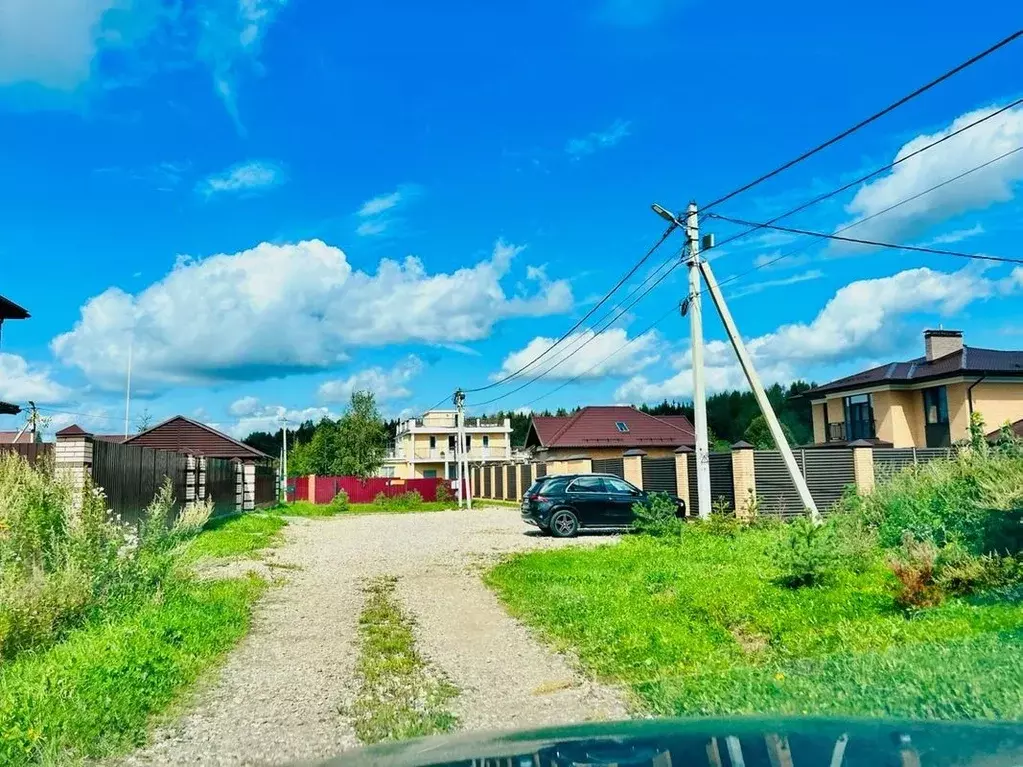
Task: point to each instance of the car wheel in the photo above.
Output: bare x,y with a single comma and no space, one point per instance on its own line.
564,524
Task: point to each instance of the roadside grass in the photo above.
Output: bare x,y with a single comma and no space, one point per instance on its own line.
237,535
93,694
309,509
700,625
400,695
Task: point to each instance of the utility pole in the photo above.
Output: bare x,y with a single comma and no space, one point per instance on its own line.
459,400
696,338
759,393
30,424
284,467
127,387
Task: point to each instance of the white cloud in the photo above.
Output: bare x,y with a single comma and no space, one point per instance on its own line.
21,382
377,205
270,418
863,319
580,352
995,183
50,43
372,228
378,211
762,285
232,40
244,406
956,235
243,178
385,384
278,309
592,142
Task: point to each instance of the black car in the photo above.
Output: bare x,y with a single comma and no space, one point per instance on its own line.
562,503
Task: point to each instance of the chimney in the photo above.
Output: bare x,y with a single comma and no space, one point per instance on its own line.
941,343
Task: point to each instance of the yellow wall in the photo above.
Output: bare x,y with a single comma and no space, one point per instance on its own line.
560,453
900,417
958,411
998,403
836,409
819,433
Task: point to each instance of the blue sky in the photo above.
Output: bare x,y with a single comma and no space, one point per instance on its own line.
273,203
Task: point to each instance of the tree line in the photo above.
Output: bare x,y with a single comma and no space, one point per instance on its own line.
355,443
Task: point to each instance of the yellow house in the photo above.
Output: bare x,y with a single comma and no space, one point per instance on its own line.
425,447
923,402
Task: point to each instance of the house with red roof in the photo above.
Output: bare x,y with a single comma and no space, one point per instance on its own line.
607,431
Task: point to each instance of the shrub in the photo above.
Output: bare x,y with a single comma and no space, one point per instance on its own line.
444,493
915,566
193,518
340,503
808,554
408,500
656,516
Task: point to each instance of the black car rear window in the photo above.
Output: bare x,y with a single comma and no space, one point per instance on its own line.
547,485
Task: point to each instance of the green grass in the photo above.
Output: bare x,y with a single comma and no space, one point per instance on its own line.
238,535
400,696
94,693
699,626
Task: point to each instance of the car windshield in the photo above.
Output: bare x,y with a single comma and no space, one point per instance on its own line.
381,370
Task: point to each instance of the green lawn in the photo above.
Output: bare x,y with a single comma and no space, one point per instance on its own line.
94,693
699,627
236,535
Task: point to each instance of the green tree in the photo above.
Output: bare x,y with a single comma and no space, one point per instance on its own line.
360,438
758,435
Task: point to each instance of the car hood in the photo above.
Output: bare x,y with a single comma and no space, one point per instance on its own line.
749,741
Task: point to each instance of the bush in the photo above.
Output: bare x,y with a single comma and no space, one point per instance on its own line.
808,555
193,518
657,516
916,566
406,501
444,493
339,503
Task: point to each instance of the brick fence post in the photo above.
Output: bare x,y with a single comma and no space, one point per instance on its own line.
863,465
519,489
493,481
682,476
248,486
191,479
744,481
632,466
72,458
201,477
312,490
239,487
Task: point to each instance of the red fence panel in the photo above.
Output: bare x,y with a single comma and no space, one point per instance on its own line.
365,490
301,488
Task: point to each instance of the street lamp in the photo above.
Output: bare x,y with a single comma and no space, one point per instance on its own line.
665,214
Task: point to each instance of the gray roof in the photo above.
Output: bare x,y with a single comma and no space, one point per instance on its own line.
969,360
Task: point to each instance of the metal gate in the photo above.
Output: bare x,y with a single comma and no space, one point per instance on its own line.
614,466
659,475
499,482
222,485
527,476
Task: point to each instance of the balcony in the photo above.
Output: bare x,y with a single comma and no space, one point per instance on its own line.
851,431
441,455
446,424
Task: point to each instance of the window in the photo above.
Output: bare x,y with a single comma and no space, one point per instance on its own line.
468,442
429,473
587,485
619,486
386,471
936,405
433,443
451,444
859,417
486,441
622,427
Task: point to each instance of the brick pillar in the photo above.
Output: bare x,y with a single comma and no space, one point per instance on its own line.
744,481
682,458
312,489
633,466
201,477
73,460
191,479
248,486
863,465
519,489
239,487
493,481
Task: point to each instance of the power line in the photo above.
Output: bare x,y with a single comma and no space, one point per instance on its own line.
875,243
863,123
583,319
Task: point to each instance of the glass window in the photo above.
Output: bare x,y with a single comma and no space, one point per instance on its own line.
936,405
587,485
622,426
486,441
429,473
451,443
615,485
433,442
468,442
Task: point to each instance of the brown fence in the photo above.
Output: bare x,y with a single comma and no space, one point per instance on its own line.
32,451
222,485
615,466
888,460
659,475
131,476
827,473
266,484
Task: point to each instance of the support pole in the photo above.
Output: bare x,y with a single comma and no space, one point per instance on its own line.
758,392
459,441
284,467
696,337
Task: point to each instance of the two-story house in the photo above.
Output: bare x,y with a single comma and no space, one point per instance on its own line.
922,402
425,447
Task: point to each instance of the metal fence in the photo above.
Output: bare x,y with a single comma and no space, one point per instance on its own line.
659,475
130,476
614,466
722,490
827,472
266,484
488,485
499,482
33,452
221,485
889,460
527,476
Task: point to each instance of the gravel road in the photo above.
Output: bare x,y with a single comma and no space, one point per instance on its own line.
277,698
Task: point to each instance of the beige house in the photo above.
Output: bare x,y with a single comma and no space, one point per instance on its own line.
923,402
425,447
